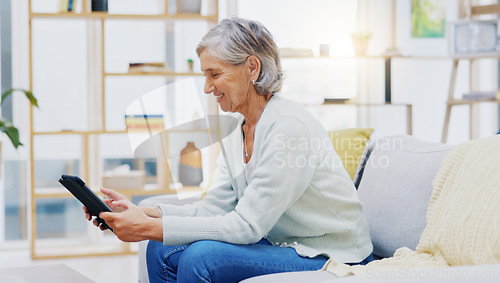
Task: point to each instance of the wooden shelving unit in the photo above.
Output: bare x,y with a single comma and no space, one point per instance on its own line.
44,250
474,10
105,15
452,101
153,74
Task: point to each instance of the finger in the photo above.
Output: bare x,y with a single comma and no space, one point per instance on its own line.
107,216
87,214
112,194
119,205
99,225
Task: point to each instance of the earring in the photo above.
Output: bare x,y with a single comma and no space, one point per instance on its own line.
253,82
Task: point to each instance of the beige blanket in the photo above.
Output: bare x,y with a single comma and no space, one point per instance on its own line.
463,217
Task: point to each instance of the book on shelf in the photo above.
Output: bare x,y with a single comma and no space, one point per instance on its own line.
67,6
148,67
335,100
482,95
63,5
145,123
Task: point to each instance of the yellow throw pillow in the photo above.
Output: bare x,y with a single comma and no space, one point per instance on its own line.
349,145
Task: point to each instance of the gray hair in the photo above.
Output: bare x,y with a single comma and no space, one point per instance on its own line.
234,39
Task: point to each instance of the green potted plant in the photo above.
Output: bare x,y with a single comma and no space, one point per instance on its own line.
190,64
360,42
6,125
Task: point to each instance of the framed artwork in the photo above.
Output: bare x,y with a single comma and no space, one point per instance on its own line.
474,37
428,18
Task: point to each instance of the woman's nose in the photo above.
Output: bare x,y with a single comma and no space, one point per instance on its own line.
209,86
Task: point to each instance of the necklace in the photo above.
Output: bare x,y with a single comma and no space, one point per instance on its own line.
245,146
247,155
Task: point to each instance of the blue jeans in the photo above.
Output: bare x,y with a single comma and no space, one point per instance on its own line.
213,261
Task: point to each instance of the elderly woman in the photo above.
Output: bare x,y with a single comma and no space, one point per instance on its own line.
281,199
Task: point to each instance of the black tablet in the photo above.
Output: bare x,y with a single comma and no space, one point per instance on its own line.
93,203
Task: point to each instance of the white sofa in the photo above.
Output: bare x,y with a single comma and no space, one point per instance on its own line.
395,183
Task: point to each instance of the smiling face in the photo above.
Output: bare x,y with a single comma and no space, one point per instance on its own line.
230,84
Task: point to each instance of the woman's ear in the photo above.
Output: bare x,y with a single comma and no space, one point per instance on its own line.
253,66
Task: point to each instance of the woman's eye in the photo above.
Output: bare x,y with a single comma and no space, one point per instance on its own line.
215,75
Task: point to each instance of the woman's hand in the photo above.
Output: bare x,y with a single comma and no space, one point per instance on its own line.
129,222
107,202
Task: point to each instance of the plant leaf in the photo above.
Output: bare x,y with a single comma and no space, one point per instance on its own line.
8,128
28,94
6,94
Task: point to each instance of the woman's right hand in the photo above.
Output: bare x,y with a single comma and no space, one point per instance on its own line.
90,217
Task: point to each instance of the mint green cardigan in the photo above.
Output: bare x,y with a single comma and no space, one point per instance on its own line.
300,195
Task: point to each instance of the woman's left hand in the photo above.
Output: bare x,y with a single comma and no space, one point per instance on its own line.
128,221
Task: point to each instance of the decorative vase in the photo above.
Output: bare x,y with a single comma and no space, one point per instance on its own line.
190,166
99,5
360,46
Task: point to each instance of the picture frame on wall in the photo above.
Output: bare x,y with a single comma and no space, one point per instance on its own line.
428,18
474,37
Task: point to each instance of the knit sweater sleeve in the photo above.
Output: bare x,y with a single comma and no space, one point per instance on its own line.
220,199
282,173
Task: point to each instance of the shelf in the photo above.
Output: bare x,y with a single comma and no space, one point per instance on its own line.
367,104
162,74
381,56
476,56
119,132
485,9
189,130
69,132
105,15
61,192
470,101
149,189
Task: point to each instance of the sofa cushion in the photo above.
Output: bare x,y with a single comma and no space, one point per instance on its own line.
395,189
349,145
